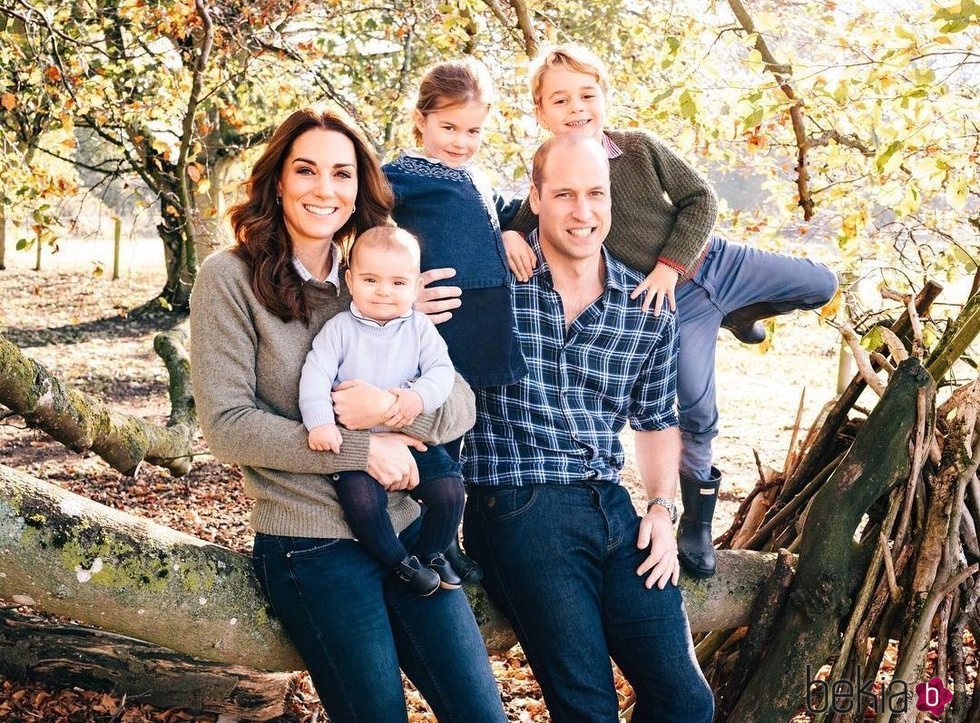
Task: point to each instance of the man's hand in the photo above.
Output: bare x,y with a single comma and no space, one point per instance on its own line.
407,407
657,535
358,404
658,285
390,462
437,303
326,438
520,256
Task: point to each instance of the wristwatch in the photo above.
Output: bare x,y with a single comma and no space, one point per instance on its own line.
665,503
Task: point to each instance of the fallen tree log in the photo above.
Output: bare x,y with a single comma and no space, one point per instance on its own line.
82,422
68,555
66,655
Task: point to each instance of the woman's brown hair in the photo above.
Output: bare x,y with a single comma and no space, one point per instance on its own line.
453,83
263,241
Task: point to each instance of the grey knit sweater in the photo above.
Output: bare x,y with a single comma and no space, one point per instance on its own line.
245,365
662,209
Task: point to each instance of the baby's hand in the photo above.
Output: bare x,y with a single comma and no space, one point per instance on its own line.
658,285
520,256
326,438
404,411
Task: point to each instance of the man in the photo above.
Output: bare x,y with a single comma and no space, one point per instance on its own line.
579,574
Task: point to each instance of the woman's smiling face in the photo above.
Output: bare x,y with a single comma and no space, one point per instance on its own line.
318,186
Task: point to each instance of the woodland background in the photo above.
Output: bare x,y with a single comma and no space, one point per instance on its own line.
844,131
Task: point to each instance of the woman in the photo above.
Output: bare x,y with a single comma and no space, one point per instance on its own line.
254,312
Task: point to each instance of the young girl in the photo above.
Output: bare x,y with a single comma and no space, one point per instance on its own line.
446,201
663,214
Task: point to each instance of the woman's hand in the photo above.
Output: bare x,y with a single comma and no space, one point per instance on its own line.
438,301
658,285
360,405
390,462
520,256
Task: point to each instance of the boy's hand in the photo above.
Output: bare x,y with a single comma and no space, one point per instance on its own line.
659,285
326,438
404,411
520,256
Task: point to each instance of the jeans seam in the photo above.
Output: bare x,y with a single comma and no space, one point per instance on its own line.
445,699
325,651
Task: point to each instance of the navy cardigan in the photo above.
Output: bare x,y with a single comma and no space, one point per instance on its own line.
455,223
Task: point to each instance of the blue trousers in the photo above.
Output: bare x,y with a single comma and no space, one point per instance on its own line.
731,276
560,561
354,626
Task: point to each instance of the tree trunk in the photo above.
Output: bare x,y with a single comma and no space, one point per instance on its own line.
211,230
65,655
179,259
819,599
82,422
3,237
68,555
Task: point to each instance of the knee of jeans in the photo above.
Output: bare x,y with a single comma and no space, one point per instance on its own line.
823,289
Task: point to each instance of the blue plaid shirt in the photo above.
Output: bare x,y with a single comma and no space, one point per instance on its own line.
560,424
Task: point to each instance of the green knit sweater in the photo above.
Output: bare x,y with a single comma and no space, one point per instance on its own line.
662,209
245,366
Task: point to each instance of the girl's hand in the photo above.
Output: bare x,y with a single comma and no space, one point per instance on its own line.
390,462
520,256
658,285
407,407
360,405
438,301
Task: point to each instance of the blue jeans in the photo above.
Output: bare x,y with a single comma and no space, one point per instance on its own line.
731,276
354,626
560,561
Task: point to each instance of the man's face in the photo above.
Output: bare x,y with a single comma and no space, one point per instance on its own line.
573,203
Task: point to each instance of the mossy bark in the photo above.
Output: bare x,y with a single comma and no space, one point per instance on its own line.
82,422
68,555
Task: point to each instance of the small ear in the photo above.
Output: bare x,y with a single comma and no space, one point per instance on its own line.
347,276
539,115
534,199
418,120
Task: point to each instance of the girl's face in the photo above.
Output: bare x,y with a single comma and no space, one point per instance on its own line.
571,102
452,135
318,186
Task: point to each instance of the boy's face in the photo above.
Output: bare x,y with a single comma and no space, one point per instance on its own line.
383,282
571,102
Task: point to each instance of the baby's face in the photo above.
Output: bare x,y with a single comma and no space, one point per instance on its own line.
383,282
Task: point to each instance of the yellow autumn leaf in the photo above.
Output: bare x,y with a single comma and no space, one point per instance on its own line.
8,101
957,192
204,186
830,309
910,203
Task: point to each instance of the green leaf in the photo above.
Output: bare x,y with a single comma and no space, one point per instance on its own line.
22,243
689,108
882,162
752,119
873,339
